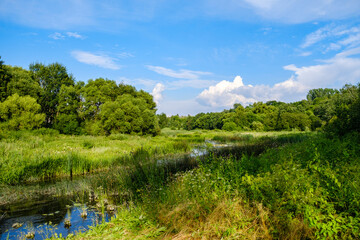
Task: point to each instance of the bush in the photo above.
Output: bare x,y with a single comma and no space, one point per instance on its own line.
229,126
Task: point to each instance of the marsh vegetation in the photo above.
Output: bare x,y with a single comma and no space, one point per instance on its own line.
265,171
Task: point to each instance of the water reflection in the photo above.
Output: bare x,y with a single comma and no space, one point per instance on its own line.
47,218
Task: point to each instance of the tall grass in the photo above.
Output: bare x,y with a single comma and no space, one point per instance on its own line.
42,155
303,190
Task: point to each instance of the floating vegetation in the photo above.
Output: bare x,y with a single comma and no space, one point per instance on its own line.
30,235
17,225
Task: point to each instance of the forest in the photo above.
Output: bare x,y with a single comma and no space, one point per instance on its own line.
270,170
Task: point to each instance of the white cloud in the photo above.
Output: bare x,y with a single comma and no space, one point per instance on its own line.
298,11
332,73
351,40
291,67
225,93
305,54
157,92
347,53
103,61
147,83
74,35
56,36
182,73
334,35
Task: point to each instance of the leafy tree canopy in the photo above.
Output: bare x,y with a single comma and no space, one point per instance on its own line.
20,113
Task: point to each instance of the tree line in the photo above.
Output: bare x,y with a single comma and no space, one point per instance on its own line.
336,111
48,96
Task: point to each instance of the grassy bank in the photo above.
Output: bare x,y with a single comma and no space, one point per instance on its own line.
28,156
33,156
305,189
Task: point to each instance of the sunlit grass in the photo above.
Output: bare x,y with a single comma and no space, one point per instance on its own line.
303,188
25,156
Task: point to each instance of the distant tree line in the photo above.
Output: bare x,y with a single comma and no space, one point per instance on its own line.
336,111
48,96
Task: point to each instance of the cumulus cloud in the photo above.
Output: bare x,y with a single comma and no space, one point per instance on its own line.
332,73
182,73
103,61
224,94
157,92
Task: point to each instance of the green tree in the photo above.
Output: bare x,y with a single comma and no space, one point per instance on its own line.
67,120
163,120
241,117
5,78
22,83
320,93
50,79
20,113
346,114
175,122
128,115
229,126
95,93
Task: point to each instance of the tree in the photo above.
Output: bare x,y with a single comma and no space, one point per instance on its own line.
22,83
20,113
229,126
95,93
50,79
128,115
67,120
163,121
346,114
241,117
320,93
5,78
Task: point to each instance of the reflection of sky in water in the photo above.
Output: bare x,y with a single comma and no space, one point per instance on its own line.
47,217
39,217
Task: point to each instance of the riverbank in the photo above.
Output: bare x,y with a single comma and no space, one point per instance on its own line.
144,172
303,190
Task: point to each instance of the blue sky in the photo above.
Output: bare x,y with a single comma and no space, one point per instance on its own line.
193,56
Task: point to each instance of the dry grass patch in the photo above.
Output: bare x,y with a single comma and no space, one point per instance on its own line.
229,219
